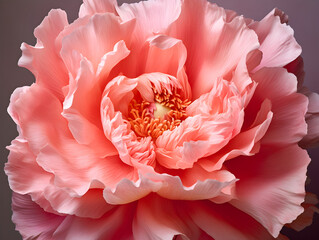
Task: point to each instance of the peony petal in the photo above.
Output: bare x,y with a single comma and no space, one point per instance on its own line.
94,40
117,224
168,55
162,219
91,7
21,162
34,223
245,143
151,16
289,108
277,42
51,73
31,221
222,44
224,222
271,186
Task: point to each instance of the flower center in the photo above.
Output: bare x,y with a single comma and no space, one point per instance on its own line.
153,118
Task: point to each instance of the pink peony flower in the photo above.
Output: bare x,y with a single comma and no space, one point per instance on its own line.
165,119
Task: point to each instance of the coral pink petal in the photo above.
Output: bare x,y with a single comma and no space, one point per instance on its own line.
90,205
90,7
289,108
31,220
163,48
151,16
20,162
26,108
50,73
245,143
159,218
224,222
117,224
77,169
271,185
94,40
221,47
82,113
277,42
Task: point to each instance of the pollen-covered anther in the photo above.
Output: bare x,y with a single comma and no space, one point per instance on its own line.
152,119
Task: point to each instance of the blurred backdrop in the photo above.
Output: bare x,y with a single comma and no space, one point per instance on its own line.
18,19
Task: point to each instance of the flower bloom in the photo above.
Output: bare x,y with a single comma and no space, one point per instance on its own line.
165,119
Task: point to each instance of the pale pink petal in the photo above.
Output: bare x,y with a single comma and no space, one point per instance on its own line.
50,73
224,222
271,185
31,220
277,42
245,143
78,170
94,40
34,223
162,219
289,108
117,224
221,47
168,55
90,205
21,162
151,16
26,108
90,7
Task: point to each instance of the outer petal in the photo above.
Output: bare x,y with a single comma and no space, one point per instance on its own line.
271,186
94,40
31,220
210,186
50,73
162,219
224,222
151,16
214,46
288,125
34,223
90,7
277,41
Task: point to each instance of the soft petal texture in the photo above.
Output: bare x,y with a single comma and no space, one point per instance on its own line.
31,221
50,73
271,186
222,44
277,42
225,221
90,7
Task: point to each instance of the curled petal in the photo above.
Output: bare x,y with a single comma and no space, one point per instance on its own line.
51,73
277,42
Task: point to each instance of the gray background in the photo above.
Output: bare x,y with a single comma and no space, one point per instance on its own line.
18,18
